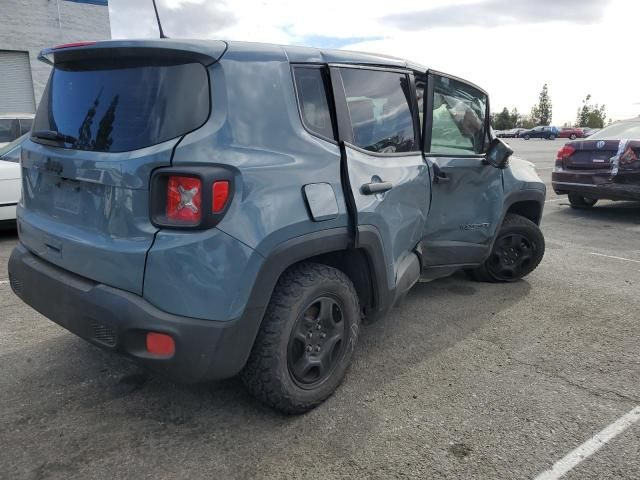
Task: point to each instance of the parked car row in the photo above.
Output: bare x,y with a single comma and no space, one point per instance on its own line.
511,133
547,132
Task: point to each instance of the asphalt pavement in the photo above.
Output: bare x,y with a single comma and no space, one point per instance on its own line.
464,380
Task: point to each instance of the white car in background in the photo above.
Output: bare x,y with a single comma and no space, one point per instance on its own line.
10,180
14,125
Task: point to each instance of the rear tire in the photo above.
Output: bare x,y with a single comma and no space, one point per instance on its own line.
572,136
306,340
580,201
517,251
551,137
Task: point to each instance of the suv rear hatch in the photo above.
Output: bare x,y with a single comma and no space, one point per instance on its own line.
111,113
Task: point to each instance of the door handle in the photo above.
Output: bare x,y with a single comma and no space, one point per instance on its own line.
439,176
375,187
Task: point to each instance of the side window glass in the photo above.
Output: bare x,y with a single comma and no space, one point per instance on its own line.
312,98
380,110
458,125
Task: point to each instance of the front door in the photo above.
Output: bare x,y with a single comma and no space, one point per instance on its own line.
378,124
467,192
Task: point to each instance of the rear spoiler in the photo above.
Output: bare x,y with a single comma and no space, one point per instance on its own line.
205,52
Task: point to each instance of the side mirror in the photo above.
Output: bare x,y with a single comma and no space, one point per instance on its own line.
498,153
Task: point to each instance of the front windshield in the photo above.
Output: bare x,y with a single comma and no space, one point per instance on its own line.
619,131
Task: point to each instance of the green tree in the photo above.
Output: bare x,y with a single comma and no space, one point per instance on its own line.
505,120
502,120
591,115
527,121
515,118
541,113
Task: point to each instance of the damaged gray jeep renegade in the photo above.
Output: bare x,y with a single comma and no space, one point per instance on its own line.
216,208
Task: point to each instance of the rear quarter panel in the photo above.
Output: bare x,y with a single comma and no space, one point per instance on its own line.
255,130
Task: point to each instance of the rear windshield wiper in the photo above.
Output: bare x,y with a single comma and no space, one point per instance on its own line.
54,136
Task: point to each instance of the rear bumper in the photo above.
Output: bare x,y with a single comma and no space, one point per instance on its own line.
593,184
118,320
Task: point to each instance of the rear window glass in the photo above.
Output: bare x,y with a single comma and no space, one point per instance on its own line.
618,131
121,108
312,98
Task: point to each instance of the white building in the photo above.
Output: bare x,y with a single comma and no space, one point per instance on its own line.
28,26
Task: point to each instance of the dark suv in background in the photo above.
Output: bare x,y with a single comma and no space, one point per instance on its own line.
212,208
550,133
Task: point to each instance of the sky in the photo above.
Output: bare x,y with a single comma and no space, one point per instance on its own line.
508,47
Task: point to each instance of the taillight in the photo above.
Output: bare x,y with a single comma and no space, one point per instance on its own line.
192,197
564,153
184,199
220,194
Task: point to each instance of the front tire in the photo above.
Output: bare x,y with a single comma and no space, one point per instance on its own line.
517,251
572,136
526,137
551,137
579,201
306,340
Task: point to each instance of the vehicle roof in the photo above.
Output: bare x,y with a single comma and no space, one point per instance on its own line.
297,54
216,48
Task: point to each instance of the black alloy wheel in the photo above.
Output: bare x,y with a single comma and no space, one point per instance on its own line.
317,342
306,340
512,256
516,252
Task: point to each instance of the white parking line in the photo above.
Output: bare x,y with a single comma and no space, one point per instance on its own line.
4,282
591,446
555,200
614,257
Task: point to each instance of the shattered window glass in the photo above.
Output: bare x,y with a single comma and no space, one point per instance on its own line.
458,125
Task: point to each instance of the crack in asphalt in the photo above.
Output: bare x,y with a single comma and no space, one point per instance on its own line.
598,392
542,370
